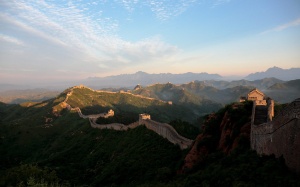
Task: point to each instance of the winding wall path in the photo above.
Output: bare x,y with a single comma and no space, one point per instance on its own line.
163,129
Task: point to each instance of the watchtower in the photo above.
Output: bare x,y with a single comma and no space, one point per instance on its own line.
143,117
110,113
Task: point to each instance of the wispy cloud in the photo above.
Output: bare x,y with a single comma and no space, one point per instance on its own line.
219,2
129,4
10,39
293,23
166,9
64,32
66,35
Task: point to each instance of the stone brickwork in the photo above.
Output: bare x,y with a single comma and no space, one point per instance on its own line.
281,136
168,132
162,129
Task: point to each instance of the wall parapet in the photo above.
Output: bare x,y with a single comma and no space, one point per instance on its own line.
281,136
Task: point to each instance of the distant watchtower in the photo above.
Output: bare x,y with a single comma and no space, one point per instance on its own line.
81,86
111,112
143,117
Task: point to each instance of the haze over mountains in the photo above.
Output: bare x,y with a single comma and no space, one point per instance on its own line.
145,79
54,136
198,86
49,143
279,73
222,92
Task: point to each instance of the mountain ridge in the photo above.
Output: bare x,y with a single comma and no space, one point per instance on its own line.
279,73
48,136
144,78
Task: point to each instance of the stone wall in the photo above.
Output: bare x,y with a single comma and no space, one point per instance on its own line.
168,132
281,136
163,129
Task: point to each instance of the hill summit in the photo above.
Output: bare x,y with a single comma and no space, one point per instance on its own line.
47,143
279,73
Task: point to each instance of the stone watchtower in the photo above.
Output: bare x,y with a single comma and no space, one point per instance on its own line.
143,117
111,112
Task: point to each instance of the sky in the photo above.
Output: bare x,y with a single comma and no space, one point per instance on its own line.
55,40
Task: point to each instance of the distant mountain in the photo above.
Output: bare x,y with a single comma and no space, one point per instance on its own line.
145,79
261,83
284,92
279,73
223,92
20,96
259,80
6,87
176,94
293,84
196,92
223,96
142,78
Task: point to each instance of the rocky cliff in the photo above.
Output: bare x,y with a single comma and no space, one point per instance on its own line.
222,131
231,128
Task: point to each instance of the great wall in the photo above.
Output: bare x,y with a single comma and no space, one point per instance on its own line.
279,135
162,129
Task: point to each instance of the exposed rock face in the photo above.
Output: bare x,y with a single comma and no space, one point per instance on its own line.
228,140
225,136
195,155
280,137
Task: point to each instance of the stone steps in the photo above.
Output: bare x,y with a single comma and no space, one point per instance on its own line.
261,115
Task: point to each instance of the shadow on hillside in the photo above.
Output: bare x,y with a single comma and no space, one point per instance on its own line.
127,113
23,100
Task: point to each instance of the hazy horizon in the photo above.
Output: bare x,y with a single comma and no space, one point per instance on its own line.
76,81
53,41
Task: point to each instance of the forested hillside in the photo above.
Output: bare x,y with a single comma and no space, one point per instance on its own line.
46,144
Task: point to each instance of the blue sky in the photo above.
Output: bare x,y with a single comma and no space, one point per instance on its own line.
52,40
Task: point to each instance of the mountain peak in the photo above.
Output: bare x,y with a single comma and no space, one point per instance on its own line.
141,73
276,72
143,78
274,69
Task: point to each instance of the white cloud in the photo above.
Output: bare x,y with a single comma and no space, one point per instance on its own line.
65,33
68,38
10,39
293,23
165,9
219,2
129,4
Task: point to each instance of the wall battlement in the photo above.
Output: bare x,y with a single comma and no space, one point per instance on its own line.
279,136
